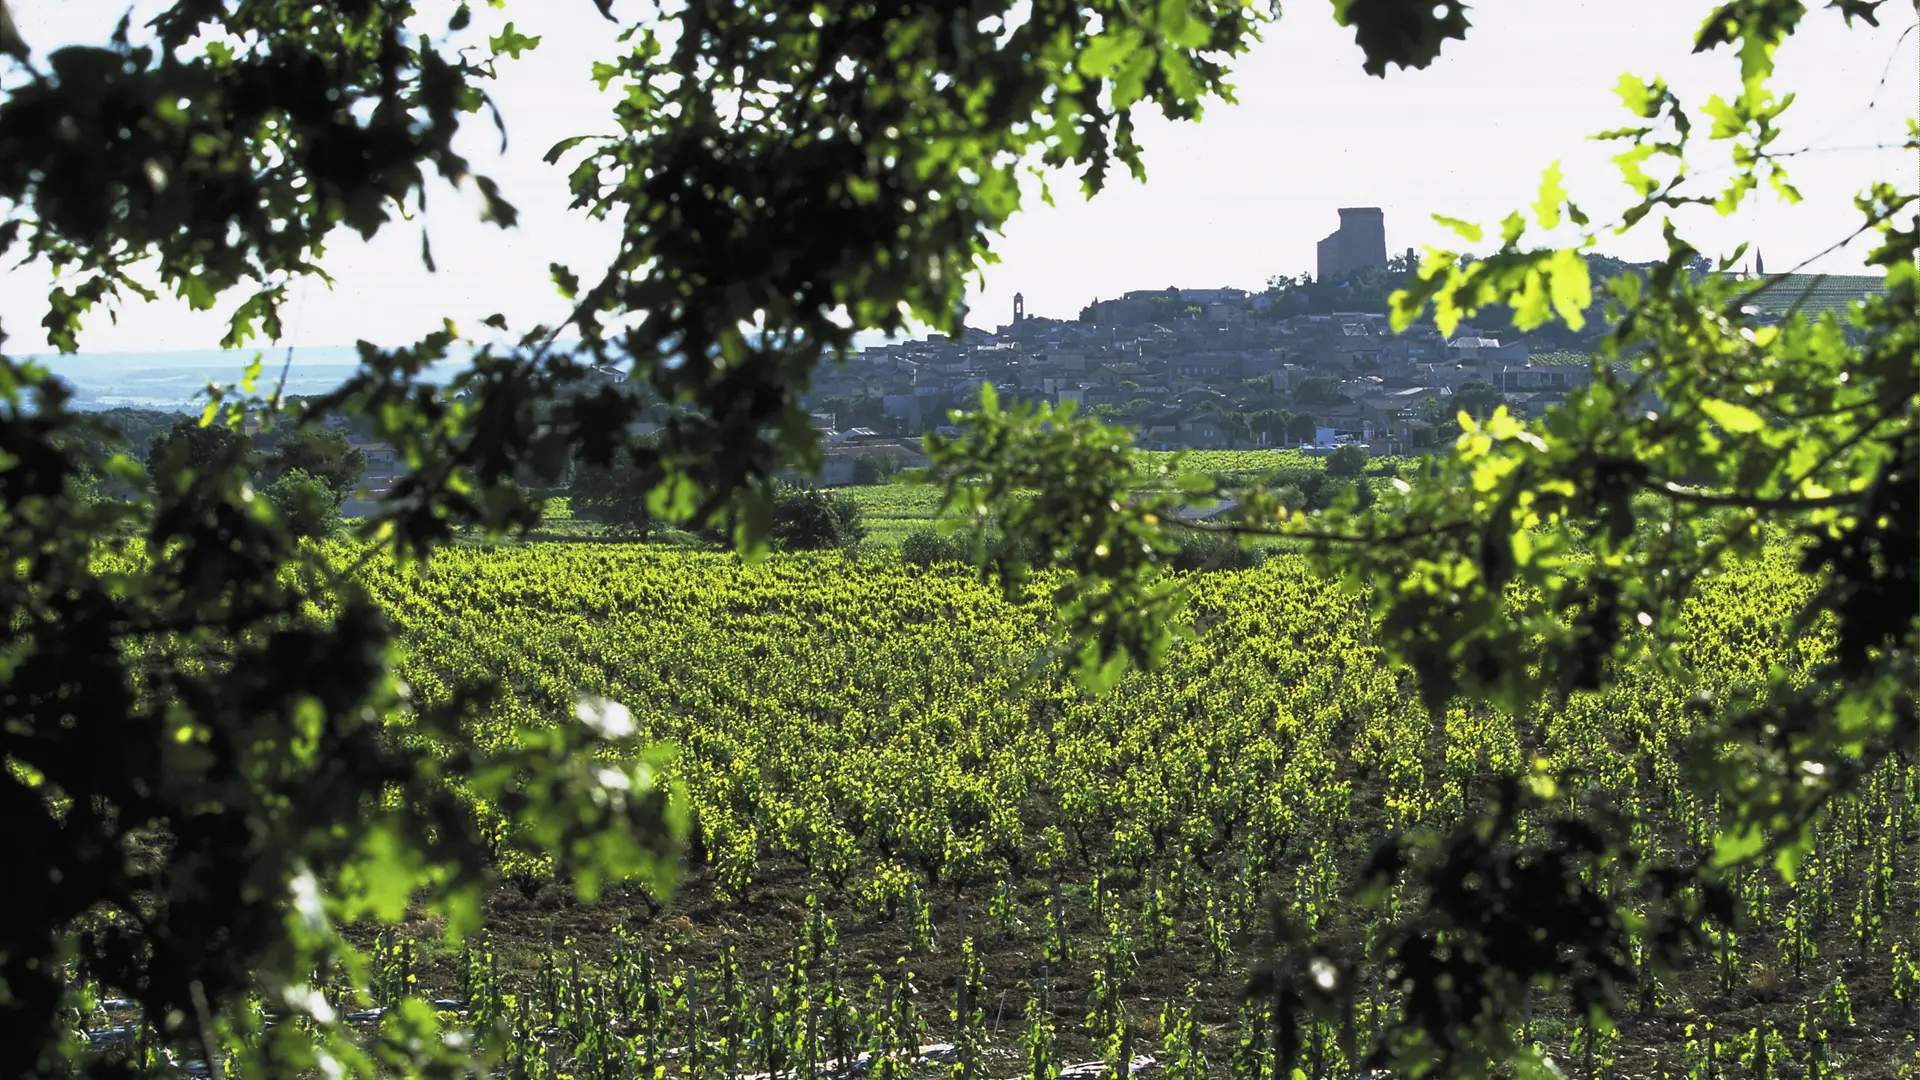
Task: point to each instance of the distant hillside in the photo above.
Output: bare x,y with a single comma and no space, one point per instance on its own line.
176,380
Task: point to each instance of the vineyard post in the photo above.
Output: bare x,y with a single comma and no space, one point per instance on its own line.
1349,1046
731,1007
693,1024
842,1004
1061,940
1315,1062
768,1036
1586,1054
811,1055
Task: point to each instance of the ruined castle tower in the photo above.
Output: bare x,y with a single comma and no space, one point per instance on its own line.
1361,241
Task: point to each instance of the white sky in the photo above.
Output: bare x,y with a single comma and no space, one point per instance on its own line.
1238,197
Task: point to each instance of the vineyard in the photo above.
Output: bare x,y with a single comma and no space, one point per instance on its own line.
1230,461
915,839
918,846
891,512
1813,294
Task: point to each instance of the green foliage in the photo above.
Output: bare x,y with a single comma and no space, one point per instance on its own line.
1167,308
1275,424
138,427
1408,33
1205,551
811,519
1302,427
1053,478
930,547
308,506
1317,390
614,494
1225,462
1477,398
324,453
1525,565
119,154
192,447
1364,289
257,737
1371,289
813,172
874,468
1348,461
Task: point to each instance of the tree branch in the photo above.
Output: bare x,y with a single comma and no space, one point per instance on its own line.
1751,502
1284,533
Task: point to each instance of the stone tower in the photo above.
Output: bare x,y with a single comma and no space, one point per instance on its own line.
1361,241
1019,308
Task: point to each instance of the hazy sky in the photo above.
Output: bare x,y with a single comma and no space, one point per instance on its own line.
1232,200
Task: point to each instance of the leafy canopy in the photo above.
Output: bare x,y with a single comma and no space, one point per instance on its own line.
784,175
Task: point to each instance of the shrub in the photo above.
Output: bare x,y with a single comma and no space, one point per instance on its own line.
611,496
308,504
928,547
1348,460
1205,551
809,519
684,538
874,468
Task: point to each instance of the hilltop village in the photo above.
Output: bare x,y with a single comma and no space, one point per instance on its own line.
1310,364
1211,368
1227,368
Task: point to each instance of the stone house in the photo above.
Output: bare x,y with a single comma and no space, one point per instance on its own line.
1384,408
1518,378
1204,369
